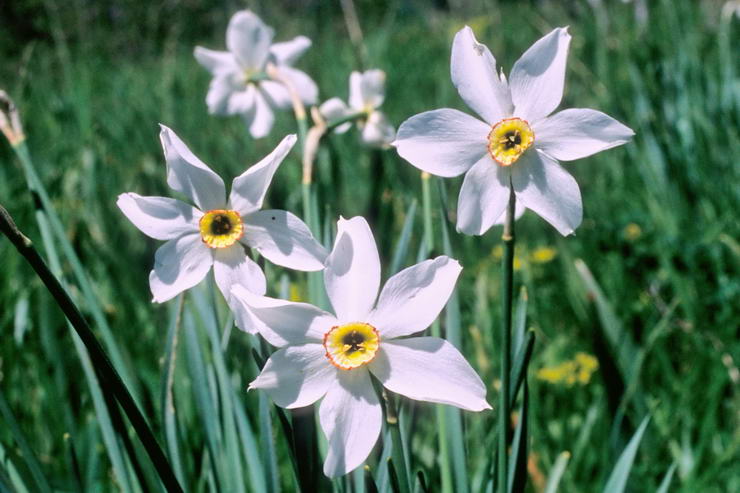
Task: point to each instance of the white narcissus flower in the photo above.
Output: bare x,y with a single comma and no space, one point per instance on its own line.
334,355
240,84
518,142
215,231
366,94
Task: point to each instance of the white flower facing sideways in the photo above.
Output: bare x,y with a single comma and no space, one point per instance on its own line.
518,142
366,95
215,231
334,355
240,82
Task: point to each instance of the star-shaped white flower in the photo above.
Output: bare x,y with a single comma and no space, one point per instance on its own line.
334,355
215,231
366,94
240,84
517,142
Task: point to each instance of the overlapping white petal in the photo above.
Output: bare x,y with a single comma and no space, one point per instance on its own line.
161,218
538,77
443,142
412,299
179,264
483,196
429,369
302,83
334,109
261,118
189,175
352,274
232,266
351,418
474,75
543,186
287,322
283,239
576,133
296,376
378,131
248,189
249,39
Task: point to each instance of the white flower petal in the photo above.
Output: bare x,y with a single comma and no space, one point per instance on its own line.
249,39
287,322
543,186
232,266
334,109
189,175
179,264
372,87
243,102
161,218
577,133
378,131
537,78
283,239
219,97
474,75
352,274
287,52
483,196
216,62
429,369
302,83
296,376
412,299
355,91
276,94
248,189
351,418
442,142
518,212
260,122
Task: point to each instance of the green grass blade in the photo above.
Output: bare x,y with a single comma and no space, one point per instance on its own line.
400,252
666,483
29,456
250,448
167,398
556,474
618,478
519,453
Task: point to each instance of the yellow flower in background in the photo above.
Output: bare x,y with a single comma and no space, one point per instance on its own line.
632,231
578,370
543,255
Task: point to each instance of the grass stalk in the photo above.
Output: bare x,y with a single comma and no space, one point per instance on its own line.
112,381
505,349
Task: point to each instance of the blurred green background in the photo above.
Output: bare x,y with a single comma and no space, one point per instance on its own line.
648,287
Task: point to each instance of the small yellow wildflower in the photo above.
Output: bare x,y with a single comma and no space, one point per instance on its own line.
543,255
570,372
632,231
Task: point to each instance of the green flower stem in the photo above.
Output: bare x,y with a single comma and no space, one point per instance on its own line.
107,372
426,202
507,295
397,455
345,119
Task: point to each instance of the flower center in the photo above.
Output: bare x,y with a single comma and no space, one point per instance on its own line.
508,140
221,228
352,345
